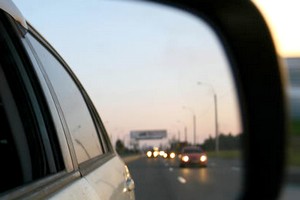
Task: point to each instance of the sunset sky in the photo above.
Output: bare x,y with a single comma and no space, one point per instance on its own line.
283,19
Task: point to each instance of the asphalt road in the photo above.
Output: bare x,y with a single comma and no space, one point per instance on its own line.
162,179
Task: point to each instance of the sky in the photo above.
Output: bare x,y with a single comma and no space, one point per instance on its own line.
140,63
283,17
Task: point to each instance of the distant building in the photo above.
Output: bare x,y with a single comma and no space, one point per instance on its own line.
293,65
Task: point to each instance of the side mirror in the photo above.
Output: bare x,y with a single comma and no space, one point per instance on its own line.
257,74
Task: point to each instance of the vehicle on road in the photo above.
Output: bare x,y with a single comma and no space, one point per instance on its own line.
43,153
53,144
153,152
193,156
170,154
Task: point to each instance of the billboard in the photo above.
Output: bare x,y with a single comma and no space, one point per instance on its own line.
148,134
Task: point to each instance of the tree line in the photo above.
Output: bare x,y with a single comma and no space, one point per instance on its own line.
226,142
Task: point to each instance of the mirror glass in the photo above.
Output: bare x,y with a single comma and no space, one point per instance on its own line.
160,79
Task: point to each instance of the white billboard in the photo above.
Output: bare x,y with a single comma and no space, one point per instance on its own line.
148,134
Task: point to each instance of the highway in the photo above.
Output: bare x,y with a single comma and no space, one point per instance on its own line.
162,179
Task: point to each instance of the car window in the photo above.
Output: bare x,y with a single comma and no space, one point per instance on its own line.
9,152
28,147
76,112
192,151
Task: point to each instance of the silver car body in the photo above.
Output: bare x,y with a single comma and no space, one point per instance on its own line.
104,176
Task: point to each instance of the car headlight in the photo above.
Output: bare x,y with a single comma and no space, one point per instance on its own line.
185,158
172,155
149,154
161,153
203,158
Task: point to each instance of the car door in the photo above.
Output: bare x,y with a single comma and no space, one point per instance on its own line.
251,52
53,143
91,150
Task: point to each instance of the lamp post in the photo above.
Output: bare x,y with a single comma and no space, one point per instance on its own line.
216,114
177,130
185,130
194,122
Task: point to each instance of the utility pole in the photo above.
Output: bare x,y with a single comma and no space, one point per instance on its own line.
216,115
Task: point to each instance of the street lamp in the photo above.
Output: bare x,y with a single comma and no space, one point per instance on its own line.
194,121
216,114
177,130
185,130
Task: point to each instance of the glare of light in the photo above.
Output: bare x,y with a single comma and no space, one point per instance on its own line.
282,17
203,176
172,155
165,155
149,154
203,158
161,153
185,158
155,154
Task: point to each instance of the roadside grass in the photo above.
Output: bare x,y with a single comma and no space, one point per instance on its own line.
295,127
293,159
293,147
293,152
293,156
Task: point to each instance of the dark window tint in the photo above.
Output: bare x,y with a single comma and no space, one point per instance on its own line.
192,151
10,166
25,146
75,110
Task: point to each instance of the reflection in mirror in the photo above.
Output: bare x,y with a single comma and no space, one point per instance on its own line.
155,72
292,181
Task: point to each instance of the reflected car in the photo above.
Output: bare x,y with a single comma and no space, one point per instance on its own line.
53,144
193,156
149,154
162,153
152,153
170,154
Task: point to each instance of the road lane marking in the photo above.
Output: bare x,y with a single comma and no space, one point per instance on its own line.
181,180
171,169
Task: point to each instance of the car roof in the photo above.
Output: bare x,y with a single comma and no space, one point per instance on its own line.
9,7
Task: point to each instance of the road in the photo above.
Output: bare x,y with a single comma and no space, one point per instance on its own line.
162,179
